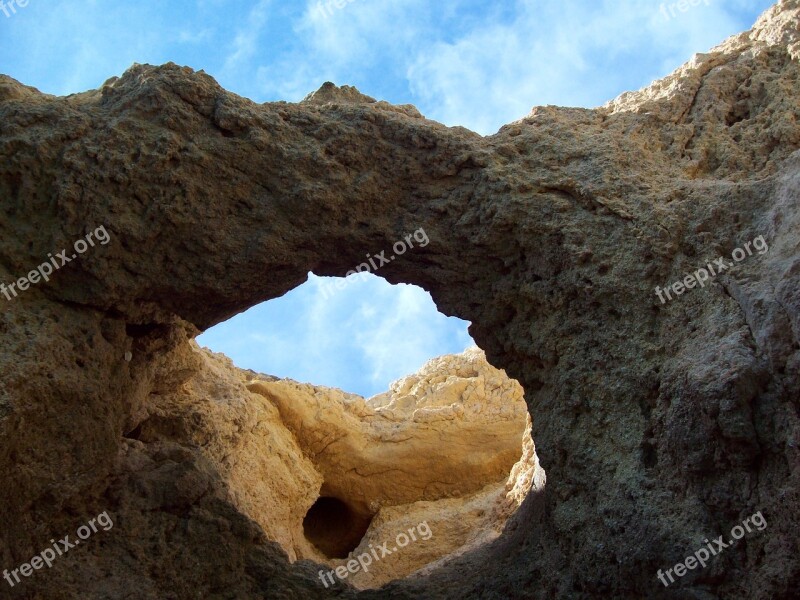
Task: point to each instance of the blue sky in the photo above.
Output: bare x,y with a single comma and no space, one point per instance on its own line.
359,338
475,63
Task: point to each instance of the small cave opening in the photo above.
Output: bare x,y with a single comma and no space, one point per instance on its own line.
334,528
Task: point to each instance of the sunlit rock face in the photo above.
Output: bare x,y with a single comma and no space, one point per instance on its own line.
659,423
437,448
324,472
445,432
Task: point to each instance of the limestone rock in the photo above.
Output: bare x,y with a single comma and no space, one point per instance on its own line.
659,424
452,527
278,445
444,432
269,478
330,93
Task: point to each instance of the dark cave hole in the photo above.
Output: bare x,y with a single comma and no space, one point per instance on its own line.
135,433
334,528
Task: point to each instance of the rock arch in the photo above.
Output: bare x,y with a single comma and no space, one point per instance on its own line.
654,421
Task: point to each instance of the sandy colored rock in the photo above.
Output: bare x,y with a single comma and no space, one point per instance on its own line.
269,477
458,525
659,424
270,443
445,432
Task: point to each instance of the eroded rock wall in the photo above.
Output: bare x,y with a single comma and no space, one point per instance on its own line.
659,424
438,448
442,433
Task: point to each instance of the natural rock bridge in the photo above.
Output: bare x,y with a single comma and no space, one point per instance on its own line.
659,424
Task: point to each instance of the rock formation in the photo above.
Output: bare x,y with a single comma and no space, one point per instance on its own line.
422,451
660,424
443,433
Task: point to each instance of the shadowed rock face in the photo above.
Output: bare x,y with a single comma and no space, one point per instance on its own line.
659,424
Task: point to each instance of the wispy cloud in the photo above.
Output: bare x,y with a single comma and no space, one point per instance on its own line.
186,36
569,53
248,39
359,339
466,64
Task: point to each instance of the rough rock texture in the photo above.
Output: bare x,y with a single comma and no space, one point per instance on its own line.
268,475
436,448
456,526
456,427
659,425
445,432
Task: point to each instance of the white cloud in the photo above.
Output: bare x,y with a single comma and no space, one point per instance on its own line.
485,66
359,338
570,54
246,43
363,35
186,36
395,339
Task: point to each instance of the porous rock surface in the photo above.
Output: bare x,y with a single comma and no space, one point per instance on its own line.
444,432
659,424
439,452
